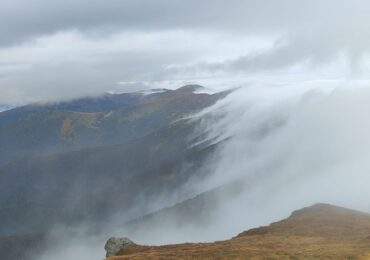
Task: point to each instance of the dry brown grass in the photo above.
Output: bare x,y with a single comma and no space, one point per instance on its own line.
318,232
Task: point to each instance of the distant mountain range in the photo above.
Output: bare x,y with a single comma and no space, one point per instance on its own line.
110,119
85,160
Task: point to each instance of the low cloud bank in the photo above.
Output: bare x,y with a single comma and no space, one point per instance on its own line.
289,147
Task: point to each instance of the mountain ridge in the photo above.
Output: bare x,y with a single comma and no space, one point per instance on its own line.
156,155
110,119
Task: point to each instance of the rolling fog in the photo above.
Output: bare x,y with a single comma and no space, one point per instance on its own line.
292,148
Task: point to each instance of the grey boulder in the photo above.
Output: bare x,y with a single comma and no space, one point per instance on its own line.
115,244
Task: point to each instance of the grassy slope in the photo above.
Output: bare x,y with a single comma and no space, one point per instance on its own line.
318,232
71,126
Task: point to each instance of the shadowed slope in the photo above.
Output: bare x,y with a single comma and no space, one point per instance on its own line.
88,160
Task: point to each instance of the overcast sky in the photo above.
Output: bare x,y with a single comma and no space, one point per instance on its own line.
53,50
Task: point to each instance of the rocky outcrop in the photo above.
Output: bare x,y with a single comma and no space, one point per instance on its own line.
116,244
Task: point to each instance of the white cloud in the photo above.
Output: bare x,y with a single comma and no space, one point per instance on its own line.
69,64
86,47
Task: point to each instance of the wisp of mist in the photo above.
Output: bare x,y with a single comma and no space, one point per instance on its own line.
291,147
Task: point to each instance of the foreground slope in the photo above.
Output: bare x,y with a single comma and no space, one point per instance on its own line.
321,231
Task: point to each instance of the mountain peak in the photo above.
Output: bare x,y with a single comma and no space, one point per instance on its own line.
324,209
191,88
319,219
